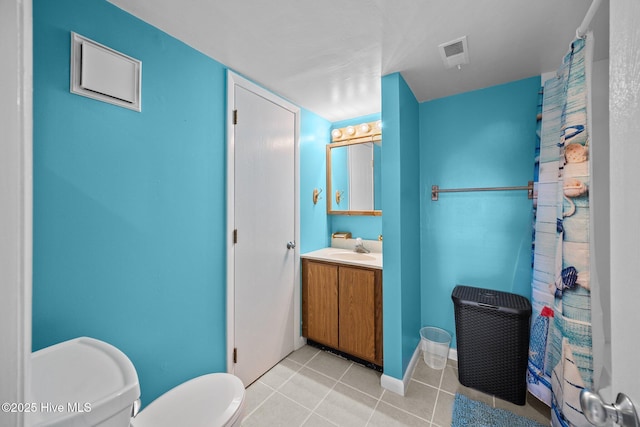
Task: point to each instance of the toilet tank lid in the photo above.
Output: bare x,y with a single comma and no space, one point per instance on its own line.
82,371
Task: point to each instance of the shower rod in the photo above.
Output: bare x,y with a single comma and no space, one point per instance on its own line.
435,190
581,31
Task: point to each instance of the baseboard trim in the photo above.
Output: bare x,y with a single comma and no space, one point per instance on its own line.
453,354
400,386
392,384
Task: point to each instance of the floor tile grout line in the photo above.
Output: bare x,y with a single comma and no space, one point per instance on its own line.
404,410
423,383
399,408
378,400
303,364
372,412
366,394
313,411
273,391
361,391
301,404
329,376
312,357
297,403
435,404
290,376
306,365
440,392
323,417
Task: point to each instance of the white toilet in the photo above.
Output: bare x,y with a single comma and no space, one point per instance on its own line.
86,382
208,400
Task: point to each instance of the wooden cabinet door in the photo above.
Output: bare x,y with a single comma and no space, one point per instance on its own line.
357,297
320,302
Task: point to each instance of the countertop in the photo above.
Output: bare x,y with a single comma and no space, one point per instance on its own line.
346,256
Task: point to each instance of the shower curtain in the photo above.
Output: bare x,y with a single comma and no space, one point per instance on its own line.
560,352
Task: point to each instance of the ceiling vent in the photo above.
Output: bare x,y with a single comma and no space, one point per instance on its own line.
455,52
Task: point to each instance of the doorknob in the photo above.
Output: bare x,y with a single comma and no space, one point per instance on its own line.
597,412
291,245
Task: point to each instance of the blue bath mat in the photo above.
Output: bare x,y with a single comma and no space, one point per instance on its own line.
467,412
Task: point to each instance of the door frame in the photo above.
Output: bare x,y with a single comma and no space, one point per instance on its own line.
234,79
16,193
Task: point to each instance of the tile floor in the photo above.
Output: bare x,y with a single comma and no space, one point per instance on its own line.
315,388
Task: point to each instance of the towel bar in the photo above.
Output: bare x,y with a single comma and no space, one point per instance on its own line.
435,190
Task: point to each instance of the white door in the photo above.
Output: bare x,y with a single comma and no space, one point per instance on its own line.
624,203
264,217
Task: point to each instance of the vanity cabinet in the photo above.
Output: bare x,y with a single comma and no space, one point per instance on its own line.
342,308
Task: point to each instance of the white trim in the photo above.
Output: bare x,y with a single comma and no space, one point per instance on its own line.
16,175
230,214
453,354
234,79
400,386
393,384
112,72
298,339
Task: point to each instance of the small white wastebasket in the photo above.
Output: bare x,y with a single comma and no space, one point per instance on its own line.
435,346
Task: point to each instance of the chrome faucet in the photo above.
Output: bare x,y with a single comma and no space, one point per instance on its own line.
359,248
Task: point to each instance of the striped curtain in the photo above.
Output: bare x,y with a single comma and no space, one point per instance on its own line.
560,353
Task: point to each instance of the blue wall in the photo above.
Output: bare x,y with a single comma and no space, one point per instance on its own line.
129,208
314,228
483,138
400,224
366,227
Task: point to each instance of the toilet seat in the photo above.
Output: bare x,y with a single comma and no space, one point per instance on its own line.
205,401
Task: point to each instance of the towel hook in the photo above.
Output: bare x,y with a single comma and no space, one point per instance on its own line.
316,195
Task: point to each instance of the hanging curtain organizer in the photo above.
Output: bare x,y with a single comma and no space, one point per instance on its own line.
435,190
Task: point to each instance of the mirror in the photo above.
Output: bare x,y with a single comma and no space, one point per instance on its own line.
353,170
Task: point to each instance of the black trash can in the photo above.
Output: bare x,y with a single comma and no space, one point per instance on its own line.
492,337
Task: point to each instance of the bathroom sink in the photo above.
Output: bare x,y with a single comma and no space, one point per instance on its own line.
352,256
346,256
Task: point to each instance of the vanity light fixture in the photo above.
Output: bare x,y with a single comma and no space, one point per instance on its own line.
366,138
363,132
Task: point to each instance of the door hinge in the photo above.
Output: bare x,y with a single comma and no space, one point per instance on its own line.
235,117
235,355
235,236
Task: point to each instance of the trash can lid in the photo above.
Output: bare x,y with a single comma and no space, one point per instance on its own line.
491,299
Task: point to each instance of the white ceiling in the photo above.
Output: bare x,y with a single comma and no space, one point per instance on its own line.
328,56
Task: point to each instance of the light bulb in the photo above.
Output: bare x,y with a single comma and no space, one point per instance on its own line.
351,130
364,128
379,124
336,133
